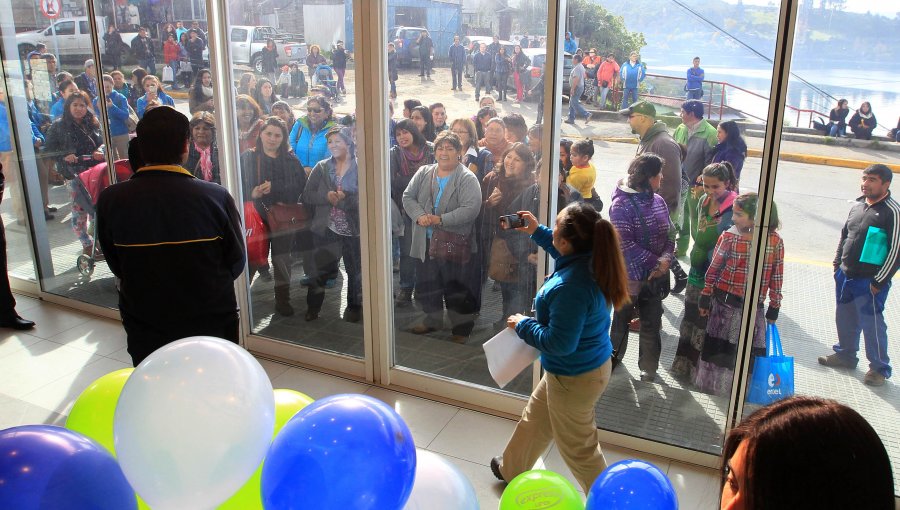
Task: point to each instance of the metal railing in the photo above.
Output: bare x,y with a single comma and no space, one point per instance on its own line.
723,100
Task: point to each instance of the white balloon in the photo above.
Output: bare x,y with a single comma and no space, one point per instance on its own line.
440,485
193,422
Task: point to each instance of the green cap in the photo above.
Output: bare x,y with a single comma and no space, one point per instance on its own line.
642,108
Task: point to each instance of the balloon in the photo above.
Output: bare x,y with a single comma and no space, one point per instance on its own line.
632,484
540,489
193,421
440,485
343,451
42,466
287,404
92,414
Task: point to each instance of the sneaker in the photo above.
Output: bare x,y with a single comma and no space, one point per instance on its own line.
874,378
305,280
835,360
567,121
495,467
648,376
404,297
680,283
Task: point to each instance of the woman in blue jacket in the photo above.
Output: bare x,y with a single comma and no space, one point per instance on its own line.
308,135
571,329
117,111
154,94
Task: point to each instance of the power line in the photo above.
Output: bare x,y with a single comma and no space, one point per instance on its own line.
752,49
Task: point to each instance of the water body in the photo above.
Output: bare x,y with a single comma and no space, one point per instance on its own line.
878,85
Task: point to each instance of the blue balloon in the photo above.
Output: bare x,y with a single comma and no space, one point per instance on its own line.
343,451
632,484
43,467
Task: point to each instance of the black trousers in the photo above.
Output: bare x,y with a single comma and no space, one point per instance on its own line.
7,301
144,338
441,282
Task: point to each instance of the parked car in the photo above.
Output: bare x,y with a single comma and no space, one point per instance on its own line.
72,37
247,43
472,44
406,44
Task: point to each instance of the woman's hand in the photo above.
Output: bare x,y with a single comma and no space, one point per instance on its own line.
424,220
514,320
704,312
495,197
70,159
261,190
531,223
662,268
332,197
98,156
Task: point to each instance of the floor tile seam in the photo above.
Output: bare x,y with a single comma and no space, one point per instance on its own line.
441,431
93,359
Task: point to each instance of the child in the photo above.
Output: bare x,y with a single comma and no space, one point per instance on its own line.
284,81
583,174
723,296
714,212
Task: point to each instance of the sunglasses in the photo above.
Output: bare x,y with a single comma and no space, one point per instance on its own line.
314,110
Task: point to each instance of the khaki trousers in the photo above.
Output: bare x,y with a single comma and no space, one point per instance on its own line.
561,409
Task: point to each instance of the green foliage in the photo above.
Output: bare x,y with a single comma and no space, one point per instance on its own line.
595,27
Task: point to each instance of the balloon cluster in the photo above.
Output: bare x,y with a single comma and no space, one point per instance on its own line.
198,425
628,484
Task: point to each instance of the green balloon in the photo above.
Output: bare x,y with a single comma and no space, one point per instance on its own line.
93,412
539,489
249,496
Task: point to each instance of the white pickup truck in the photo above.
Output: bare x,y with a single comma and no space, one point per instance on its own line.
247,43
72,37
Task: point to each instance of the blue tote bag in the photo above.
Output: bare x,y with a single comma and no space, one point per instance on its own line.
773,375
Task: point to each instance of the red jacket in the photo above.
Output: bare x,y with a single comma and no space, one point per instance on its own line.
171,51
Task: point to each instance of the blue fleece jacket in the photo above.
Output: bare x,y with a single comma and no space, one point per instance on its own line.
572,318
118,113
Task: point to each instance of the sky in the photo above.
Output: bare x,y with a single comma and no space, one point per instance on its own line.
887,8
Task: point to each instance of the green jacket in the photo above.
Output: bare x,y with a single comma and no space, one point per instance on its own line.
700,148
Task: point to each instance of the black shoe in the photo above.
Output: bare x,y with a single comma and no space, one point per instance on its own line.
48,216
52,209
16,322
284,308
352,315
404,298
495,467
681,278
311,316
567,121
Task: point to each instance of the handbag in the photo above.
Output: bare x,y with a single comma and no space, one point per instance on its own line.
449,247
773,374
255,235
503,265
132,121
168,75
283,218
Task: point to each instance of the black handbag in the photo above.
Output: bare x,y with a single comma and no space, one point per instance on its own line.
654,288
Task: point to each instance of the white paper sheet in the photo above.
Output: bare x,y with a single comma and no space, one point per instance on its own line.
507,355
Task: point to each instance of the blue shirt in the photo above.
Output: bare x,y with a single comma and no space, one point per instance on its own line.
442,183
572,318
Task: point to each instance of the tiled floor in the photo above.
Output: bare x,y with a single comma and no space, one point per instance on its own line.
43,371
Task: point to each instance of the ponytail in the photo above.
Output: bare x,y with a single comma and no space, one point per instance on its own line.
609,264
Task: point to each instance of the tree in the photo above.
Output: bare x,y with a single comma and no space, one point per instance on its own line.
595,27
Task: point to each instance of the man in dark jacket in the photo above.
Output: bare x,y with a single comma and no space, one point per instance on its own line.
8,316
142,47
339,62
867,258
457,62
483,63
426,47
87,81
174,242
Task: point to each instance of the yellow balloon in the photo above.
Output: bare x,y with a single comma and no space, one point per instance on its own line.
142,505
93,412
249,496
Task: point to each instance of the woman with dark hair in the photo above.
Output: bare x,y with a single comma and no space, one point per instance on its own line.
714,216
805,440
863,122
115,47
269,58
641,218
74,141
249,120
495,139
271,175
203,153
333,190
172,53
570,327
66,89
411,153
837,117
731,148
201,95
154,95
520,63
502,68
314,59
511,179
565,156
478,160
481,118
283,111
443,199
137,86
265,95
722,297
247,85
308,134
421,117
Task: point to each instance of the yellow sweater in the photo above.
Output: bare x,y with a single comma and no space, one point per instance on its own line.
582,179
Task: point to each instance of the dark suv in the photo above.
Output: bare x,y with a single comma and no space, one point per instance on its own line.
405,42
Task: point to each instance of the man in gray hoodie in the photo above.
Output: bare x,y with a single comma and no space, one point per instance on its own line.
654,137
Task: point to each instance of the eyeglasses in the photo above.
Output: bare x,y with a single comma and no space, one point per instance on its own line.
314,110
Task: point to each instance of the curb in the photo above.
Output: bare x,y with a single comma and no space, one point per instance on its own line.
177,94
784,156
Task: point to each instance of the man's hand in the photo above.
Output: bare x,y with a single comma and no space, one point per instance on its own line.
873,288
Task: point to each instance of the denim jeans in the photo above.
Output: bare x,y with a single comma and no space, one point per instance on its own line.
694,94
456,71
634,97
836,131
604,91
575,108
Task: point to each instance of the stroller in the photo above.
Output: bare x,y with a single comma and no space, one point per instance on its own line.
324,82
88,186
